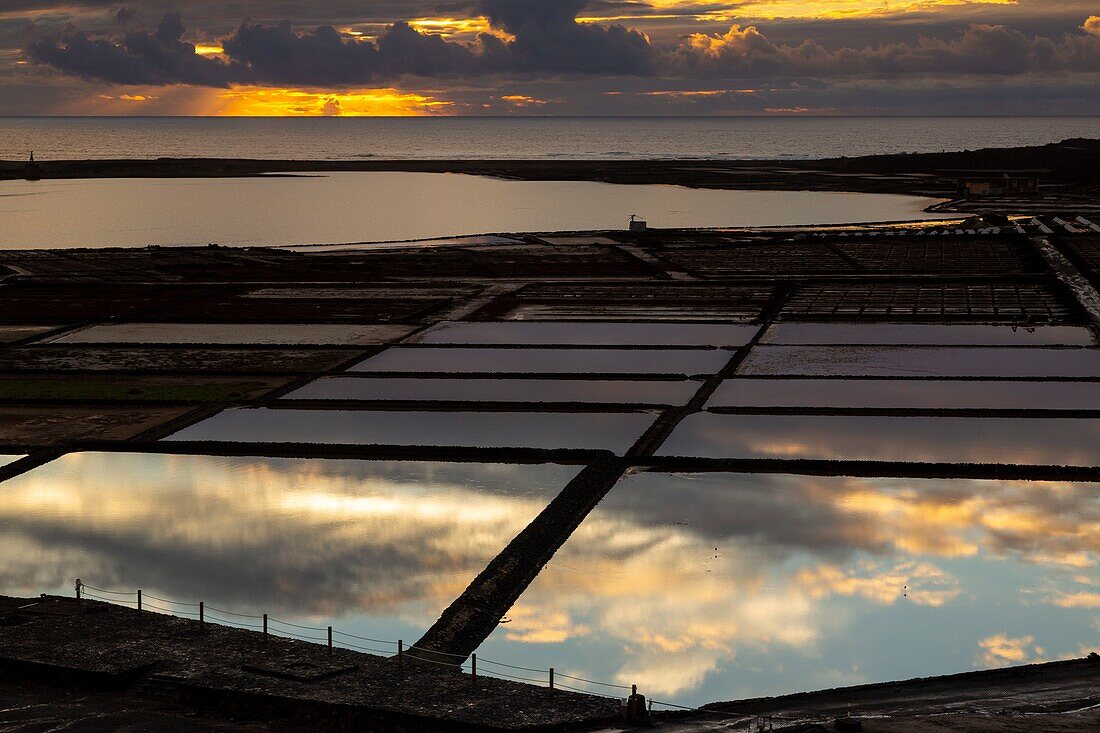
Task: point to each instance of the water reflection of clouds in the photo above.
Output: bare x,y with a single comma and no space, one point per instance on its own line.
697,578
308,537
1019,441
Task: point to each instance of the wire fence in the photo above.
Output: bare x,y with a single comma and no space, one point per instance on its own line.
336,639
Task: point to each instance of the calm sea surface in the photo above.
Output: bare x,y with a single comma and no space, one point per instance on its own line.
523,138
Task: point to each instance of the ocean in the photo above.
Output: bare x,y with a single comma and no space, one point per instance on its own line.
522,138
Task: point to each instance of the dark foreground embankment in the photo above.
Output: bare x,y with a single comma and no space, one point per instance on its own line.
58,651
108,668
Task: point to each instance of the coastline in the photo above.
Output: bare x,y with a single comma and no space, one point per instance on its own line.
1067,173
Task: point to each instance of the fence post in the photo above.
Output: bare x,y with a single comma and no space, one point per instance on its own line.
265,627
551,679
79,587
330,639
473,668
400,650
202,614
139,599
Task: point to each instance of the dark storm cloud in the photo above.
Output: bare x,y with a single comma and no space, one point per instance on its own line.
125,15
979,50
542,38
548,38
139,57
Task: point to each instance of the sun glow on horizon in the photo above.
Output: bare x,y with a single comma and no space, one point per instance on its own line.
785,9
269,102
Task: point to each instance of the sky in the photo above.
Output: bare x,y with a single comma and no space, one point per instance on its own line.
549,57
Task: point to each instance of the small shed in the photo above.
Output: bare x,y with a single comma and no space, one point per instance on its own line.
998,184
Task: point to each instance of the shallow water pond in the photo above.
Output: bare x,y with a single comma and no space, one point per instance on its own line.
490,360
596,431
928,361
907,394
234,333
664,392
1018,441
376,549
586,334
722,586
914,334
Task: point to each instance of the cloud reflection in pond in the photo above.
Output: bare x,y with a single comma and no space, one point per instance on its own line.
383,545
719,586
1018,441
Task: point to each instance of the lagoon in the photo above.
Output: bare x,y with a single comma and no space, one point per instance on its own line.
354,207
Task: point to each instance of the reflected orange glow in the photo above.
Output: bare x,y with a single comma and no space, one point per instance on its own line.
264,102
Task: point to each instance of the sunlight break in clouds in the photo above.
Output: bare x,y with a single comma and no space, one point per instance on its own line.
262,101
815,9
830,56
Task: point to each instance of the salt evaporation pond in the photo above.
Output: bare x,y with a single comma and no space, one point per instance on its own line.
376,549
907,394
921,361
569,333
1047,441
726,586
378,206
465,389
939,334
490,360
319,334
549,430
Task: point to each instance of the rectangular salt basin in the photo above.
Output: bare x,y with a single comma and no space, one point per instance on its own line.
320,334
569,333
374,548
489,360
5,460
595,431
771,584
907,394
1017,441
499,390
924,334
479,241
901,361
